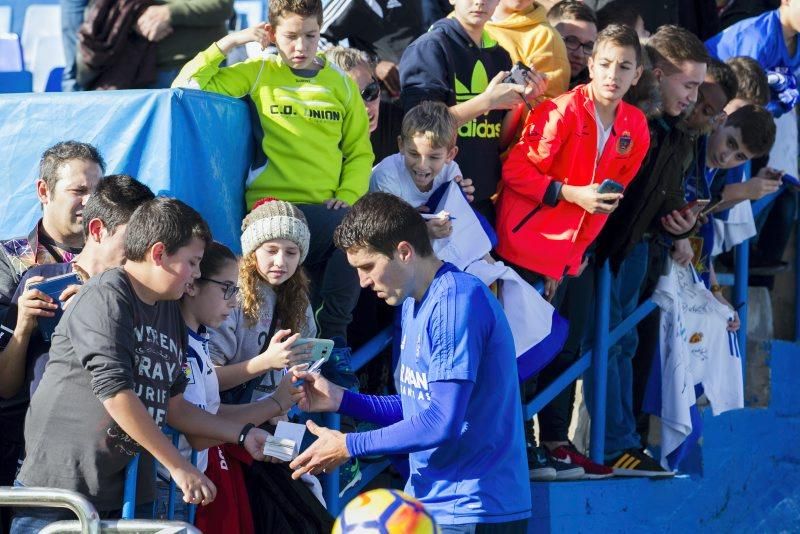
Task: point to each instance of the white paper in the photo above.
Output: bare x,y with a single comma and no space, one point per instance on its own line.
292,431
469,241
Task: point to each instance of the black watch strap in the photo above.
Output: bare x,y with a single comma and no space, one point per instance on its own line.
244,432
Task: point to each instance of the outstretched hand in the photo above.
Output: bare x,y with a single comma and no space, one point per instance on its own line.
328,452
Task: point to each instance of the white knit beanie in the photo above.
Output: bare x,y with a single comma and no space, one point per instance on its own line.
274,219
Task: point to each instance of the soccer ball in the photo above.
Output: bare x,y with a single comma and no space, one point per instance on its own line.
384,511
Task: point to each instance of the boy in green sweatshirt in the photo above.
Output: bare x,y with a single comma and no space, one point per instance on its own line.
316,138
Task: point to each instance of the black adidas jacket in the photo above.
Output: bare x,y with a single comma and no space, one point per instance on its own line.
445,65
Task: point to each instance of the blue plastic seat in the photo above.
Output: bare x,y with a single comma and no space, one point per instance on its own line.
53,84
16,82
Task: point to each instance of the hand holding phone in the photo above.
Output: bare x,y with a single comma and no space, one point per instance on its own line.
610,186
53,288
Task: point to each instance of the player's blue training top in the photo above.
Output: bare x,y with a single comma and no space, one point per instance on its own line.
462,419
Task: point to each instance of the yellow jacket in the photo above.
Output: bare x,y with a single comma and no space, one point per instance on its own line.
529,38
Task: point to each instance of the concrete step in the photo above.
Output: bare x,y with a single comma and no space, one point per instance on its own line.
748,481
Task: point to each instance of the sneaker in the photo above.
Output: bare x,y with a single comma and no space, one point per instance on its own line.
540,466
568,454
349,476
543,467
635,463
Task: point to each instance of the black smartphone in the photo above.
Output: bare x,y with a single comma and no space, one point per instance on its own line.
610,186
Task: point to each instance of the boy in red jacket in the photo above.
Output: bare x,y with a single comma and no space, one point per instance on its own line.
550,209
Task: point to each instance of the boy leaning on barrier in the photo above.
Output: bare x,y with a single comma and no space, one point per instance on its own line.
551,207
114,377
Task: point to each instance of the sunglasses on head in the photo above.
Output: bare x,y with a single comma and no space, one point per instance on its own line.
228,289
371,91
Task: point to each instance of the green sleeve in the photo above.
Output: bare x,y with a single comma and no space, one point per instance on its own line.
199,12
356,148
204,69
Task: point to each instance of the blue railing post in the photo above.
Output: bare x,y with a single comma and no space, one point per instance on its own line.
600,362
330,482
129,493
741,255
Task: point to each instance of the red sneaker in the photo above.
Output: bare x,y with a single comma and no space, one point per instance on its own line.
569,454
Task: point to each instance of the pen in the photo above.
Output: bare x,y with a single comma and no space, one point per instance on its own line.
429,216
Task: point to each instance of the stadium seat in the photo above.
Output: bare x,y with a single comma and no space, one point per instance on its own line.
48,54
5,19
16,82
10,53
41,20
252,9
54,80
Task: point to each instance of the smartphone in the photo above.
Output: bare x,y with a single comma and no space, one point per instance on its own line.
53,287
519,74
610,186
321,350
319,355
695,206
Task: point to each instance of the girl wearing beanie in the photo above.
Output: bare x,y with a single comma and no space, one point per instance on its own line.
256,342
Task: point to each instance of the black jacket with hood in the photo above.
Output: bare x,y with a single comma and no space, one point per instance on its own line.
445,65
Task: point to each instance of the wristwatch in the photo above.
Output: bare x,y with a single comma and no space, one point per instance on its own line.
243,434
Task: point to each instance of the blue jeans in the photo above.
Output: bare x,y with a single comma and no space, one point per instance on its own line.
626,287
71,20
33,520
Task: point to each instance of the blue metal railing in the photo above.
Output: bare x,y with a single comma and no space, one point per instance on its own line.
595,359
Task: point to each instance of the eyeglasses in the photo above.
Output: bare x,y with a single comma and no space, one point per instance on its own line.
371,91
229,289
573,43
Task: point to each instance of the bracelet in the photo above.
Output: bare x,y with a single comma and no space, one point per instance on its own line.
276,402
243,434
715,288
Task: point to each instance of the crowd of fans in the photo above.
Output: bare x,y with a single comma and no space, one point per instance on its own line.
578,132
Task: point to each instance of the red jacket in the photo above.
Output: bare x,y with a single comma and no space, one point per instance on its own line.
559,144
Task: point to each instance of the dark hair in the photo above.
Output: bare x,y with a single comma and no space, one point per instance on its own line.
617,12
646,94
304,8
571,10
163,220
114,201
214,259
60,153
672,45
380,221
757,127
723,75
752,84
622,36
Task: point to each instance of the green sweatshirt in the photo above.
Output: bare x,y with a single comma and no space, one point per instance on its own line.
316,130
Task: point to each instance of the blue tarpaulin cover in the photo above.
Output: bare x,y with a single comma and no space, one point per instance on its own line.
189,144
